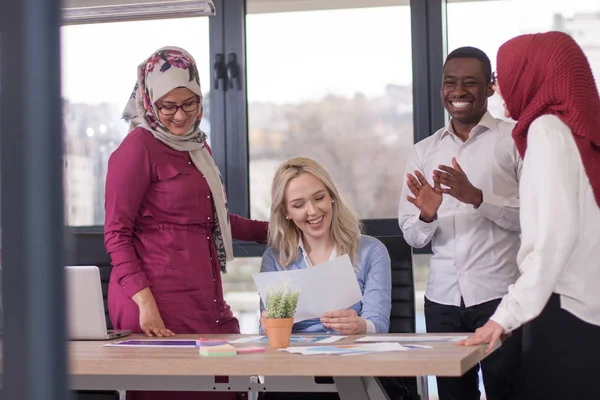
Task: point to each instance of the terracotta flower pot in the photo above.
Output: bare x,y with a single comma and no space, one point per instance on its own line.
279,331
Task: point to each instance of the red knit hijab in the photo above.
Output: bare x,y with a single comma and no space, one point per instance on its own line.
548,73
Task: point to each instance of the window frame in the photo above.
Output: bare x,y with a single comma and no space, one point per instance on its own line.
229,107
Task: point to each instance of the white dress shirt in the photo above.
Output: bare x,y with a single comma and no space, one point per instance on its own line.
560,250
474,249
370,325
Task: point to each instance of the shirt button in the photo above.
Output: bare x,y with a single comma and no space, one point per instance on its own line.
208,197
207,238
189,162
215,300
217,321
208,217
214,280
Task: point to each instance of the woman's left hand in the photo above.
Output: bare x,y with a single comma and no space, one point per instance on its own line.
344,321
488,333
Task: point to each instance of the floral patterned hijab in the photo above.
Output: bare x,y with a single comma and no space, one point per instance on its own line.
167,69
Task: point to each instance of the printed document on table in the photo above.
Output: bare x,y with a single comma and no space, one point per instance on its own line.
329,286
411,339
347,349
171,343
293,339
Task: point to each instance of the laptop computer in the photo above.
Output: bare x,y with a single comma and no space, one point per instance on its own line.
85,305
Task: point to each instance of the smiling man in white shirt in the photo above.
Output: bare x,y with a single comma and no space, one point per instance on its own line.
462,195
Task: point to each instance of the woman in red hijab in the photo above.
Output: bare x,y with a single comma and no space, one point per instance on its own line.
548,87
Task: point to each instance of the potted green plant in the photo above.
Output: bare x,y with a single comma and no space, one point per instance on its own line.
280,305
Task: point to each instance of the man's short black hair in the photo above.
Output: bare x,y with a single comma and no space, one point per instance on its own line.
473,52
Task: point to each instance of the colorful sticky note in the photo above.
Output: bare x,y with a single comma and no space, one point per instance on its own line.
225,350
210,342
250,350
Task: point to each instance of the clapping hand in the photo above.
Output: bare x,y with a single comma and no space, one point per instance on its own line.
457,183
426,198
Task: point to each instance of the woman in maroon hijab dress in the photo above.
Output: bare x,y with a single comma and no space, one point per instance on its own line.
167,227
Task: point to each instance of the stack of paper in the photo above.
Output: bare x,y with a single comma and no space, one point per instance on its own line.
347,349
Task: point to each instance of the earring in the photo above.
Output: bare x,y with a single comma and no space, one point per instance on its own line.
286,217
332,201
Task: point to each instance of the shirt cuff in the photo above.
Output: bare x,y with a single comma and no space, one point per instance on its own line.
134,283
504,318
491,206
426,229
370,326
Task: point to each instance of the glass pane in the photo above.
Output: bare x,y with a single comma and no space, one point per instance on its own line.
99,64
495,22
240,292
340,95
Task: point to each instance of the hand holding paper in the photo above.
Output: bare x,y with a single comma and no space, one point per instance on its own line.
344,321
326,287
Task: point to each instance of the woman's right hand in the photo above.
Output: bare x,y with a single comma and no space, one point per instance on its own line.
151,322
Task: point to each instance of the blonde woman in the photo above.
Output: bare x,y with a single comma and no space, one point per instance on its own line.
310,224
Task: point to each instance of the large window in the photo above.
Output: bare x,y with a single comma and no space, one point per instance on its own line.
240,292
334,85
488,24
99,64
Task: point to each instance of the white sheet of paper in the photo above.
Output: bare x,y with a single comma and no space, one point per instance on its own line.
247,339
329,286
410,339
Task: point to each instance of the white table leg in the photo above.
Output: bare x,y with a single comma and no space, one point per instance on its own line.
350,388
422,387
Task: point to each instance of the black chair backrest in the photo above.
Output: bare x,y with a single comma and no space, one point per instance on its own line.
402,316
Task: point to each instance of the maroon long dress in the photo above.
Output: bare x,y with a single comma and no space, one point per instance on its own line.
158,232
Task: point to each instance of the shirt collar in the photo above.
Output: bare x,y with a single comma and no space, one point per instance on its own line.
301,246
487,122
305,254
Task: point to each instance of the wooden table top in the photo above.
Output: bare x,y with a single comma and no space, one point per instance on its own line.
444,359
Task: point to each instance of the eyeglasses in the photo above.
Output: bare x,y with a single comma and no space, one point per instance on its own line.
187,107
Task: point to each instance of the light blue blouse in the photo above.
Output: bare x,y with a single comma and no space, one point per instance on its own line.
374,277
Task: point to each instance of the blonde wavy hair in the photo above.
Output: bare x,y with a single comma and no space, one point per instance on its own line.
283,233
